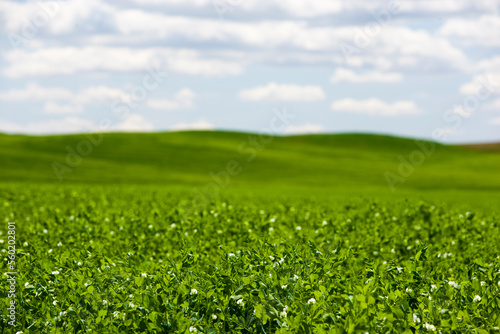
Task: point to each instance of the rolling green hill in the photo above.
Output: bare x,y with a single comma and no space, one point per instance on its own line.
188,158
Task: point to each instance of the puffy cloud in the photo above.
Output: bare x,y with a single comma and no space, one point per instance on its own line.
67,125
198,125
376,107
304,129
35,92
283,92
481,82
482,31
343,74
134,123
184,99
71,60
61,109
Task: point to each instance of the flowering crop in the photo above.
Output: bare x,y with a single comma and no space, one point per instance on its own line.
128,260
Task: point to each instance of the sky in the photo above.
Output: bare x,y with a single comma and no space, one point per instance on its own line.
413,68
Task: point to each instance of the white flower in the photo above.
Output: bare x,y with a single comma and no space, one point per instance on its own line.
45,231
144,275
273,220
59,244
50,251
295,277
25,244
112,232
416,319
271,229
131,296
214,316
311,301
20,332
116,314
192,329
86,284
272,258
477,298
131,305
240,303
26,284
79,263
298,228
284,286
172,226
409,290
325,223
230,254
150,226
104,302
55,272
483,283
194,292
54,302
429,327
283,314
62,314
453,284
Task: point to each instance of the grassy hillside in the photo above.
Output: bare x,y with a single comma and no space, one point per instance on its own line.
188,158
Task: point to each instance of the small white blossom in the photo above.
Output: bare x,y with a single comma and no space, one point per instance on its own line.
429,327
59,244
325,223
45,231
131,305
240,303
50,251
130,296
194,292
231,255
477,298
54,302
192,329
214,316
105,302
284,286
298,228
272,220
150,226
25,244
144,275
79,263
116,314
311,301
416,319
55,272
453,284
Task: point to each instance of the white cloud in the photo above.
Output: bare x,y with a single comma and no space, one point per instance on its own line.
35,92
134,123
60,109
71,60
481,82
184,99
495,121
283,92
67,125
482,31
101,94
198,125
376,107
343,74
304,129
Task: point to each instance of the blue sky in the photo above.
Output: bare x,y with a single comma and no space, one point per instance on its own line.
427,69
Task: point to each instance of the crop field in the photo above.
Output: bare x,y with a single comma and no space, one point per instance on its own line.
126,259
303,240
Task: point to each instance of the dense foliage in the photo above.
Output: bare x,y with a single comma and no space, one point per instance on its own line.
124,260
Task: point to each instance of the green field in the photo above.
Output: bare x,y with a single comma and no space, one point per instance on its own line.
219,232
